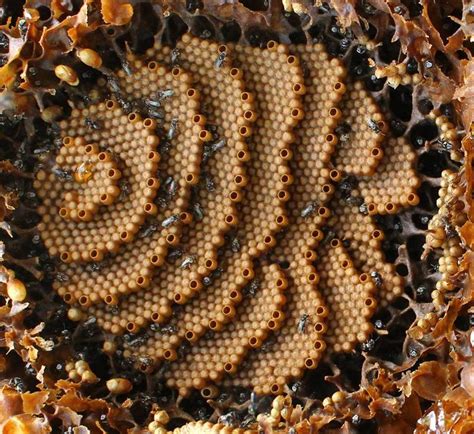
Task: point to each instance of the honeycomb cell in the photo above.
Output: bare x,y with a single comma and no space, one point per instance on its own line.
214,207
350,295
443,238
260,313
395,183
95,177
363,241
361,133
263,198
232,158
298,345
201,427
311,188
88,235
151,224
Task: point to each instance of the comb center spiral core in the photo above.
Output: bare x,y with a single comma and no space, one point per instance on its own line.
95,176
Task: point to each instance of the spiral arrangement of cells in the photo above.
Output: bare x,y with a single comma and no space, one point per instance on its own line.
221,205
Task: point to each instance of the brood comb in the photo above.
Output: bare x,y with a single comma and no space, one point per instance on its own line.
237,217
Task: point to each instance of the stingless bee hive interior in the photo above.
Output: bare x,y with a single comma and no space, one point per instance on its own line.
251,217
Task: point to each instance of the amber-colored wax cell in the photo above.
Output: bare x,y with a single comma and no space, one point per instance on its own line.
232,210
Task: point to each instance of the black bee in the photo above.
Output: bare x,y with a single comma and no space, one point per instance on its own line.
346,185
164,147
399,10
93,266
252,288
61,277
188,261
329,236
145,362
209,182
220,60
173,129
413,352
302,323
379,324
91,124
18,384
167,222
175,55
377,279
229,419
369,345
165,94
305,68
343,131
152,102
171,187
267,345
355,200
175,254
198,211
62,174
253,404
296,386
364,209
168,329
448,227
158,98
114,310
235,245
147,231
40,151
374,126
445,145
217,272
125,189
127,106
211,148
308,210
152,106
207,281
113,84
23,27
